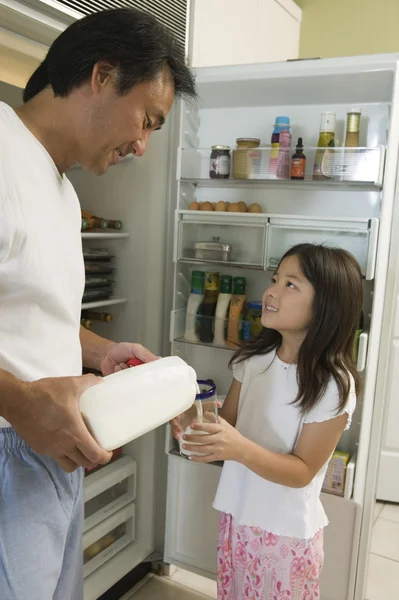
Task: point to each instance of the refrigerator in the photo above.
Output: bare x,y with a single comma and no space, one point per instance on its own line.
152,501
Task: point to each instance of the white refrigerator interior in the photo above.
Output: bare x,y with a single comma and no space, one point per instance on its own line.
128,502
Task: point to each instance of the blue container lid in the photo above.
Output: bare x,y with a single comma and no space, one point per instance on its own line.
255,305
282,121
208,393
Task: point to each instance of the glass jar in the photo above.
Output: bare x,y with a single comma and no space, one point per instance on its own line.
246,159
220,162
252,324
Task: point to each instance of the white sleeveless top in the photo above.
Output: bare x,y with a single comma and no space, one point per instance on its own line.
267,417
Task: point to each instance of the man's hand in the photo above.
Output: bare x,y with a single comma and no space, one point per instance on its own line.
46,415
117,355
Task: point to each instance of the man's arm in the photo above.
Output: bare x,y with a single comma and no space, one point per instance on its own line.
94,348
107,356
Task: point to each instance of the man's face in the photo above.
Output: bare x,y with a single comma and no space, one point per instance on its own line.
112,126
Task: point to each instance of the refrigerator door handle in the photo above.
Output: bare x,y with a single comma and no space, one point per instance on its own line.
362,353
372,249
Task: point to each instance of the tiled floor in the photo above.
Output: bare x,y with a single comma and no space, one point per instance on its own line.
163,589
383,575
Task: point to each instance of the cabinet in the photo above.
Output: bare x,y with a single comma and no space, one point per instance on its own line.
232,32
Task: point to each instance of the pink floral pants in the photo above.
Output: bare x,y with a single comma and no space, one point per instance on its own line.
256,565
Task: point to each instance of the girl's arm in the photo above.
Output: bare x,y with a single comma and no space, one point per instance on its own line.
229,410
315,446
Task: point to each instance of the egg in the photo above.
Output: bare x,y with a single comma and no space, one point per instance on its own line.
213,204
233,207
194,206
242,206
221,206
206,206
255,208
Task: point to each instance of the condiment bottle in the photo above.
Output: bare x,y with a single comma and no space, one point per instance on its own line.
114,224
237,305
97,316
95,223
207,309
219,167
298,162
279,164
326,139
352,128
246,159
194,302
222,310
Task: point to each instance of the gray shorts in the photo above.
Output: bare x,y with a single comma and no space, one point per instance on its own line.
41,522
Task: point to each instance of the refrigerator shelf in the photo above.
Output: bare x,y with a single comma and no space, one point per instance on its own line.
225,264
97,235
107,302
307,183
364,165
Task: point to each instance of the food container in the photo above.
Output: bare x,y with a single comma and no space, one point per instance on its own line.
252,324
247,159
219,167
214,250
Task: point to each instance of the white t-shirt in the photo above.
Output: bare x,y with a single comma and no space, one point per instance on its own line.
267,417
41,262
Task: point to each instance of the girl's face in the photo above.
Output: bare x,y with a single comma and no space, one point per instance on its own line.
288,301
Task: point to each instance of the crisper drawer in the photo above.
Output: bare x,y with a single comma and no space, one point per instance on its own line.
109,490
245,233
108,538
357,236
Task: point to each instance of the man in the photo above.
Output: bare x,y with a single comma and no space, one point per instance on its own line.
106,84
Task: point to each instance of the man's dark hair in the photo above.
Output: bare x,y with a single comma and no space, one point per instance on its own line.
133,41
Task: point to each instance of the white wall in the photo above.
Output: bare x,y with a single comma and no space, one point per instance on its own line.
227,32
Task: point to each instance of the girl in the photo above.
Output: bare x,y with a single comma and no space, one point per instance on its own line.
293,394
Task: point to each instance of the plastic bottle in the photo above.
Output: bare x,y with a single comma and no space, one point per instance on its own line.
132,402
206,311
222,310
237,305
298,162
326,139
279,164
194,302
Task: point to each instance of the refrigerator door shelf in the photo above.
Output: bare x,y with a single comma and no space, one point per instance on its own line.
359,237
338,165
104,540
113,473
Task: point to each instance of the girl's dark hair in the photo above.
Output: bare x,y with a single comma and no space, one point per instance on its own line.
133,41
327,350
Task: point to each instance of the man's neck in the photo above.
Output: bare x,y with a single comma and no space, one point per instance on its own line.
48,119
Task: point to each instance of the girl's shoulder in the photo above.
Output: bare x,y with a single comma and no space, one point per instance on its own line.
257,364
328,406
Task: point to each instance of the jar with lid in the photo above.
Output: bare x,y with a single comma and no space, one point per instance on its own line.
220,162
252,324
246,159
204,410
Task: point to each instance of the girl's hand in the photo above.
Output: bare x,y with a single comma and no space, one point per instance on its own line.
224,442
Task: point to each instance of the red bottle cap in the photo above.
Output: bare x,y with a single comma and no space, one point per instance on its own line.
134,362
